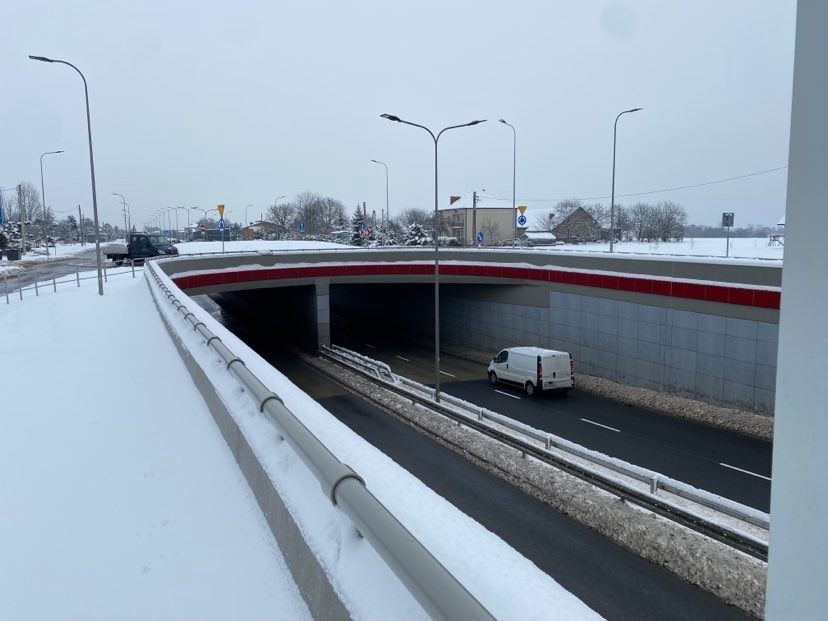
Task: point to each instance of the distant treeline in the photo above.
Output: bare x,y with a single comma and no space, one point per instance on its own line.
703,230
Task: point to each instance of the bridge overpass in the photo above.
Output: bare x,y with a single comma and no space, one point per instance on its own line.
655,322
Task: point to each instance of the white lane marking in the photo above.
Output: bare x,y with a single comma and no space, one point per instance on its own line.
401,358
367,345
507,394
761,476
444,373
592,422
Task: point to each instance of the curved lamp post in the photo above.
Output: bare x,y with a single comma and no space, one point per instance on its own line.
436,139
386,186
43,196
91,165
612,196
125,209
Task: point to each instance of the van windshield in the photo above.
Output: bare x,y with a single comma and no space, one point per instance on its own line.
159,240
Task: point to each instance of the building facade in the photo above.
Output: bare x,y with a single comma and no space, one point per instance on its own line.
496,224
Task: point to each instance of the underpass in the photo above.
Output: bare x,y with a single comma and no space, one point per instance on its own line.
610,579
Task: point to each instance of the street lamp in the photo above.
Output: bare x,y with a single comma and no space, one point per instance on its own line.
514,176
612,196
188,216
386,185
43,196
125,209
247,222
91,165
436,139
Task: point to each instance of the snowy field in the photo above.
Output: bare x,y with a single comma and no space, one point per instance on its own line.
196,247
747,248
742,248
120,498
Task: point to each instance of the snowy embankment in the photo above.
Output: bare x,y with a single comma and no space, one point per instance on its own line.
120,498
504,581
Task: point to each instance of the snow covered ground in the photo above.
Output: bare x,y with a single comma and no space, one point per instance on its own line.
196,247
119,496
744,247
749,248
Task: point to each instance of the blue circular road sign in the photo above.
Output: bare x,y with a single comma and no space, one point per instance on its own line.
521,220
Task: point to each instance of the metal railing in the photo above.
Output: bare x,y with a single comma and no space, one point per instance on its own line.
36,285
429,582
471,414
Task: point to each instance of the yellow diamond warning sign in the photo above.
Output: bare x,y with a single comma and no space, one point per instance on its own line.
221,210
521,209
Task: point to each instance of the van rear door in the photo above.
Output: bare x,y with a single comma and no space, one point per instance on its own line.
557,371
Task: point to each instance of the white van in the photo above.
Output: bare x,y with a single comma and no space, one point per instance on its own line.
533,369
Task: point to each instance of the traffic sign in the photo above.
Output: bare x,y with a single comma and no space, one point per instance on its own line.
521,209
479,237
727,219
220,209
221,225
202,228
301,227
521,220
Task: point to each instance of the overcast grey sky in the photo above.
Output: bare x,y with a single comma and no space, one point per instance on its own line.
199,103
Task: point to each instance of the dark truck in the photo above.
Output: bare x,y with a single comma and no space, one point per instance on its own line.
141,246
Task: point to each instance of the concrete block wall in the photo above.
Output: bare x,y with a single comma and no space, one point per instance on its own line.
722,360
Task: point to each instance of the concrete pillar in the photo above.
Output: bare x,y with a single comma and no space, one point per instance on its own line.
323,312
798,559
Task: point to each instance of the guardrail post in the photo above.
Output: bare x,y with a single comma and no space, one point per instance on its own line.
132,263
6,288
77,275
19,286
54,285
654,485
37,291
104,271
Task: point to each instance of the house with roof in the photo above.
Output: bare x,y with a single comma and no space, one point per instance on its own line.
578,226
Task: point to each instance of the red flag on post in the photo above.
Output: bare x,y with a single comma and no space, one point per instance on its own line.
453,199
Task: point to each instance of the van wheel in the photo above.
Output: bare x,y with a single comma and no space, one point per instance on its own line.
530,389
492,377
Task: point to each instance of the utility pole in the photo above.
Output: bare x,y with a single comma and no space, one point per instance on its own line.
80,227
474,217
21,213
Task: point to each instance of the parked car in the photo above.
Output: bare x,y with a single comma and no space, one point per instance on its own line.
534,369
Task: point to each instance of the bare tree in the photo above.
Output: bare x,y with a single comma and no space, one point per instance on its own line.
26,204
545,221
642,218
669,221
491,231
282,217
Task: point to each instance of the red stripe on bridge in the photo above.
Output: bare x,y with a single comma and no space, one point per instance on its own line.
637,284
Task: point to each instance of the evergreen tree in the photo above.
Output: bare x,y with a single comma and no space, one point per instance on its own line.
357,225
416,236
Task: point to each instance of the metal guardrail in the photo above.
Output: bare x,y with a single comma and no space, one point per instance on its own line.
430,583
37,284
477,417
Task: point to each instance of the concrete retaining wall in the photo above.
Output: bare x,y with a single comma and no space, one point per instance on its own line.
724,360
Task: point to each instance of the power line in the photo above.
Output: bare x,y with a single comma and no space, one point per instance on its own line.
680,187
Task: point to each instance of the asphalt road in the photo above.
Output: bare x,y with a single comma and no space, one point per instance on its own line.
610,579
715,460
54,268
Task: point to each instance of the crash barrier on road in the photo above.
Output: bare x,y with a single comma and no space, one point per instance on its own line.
425,395
37,285
439,593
